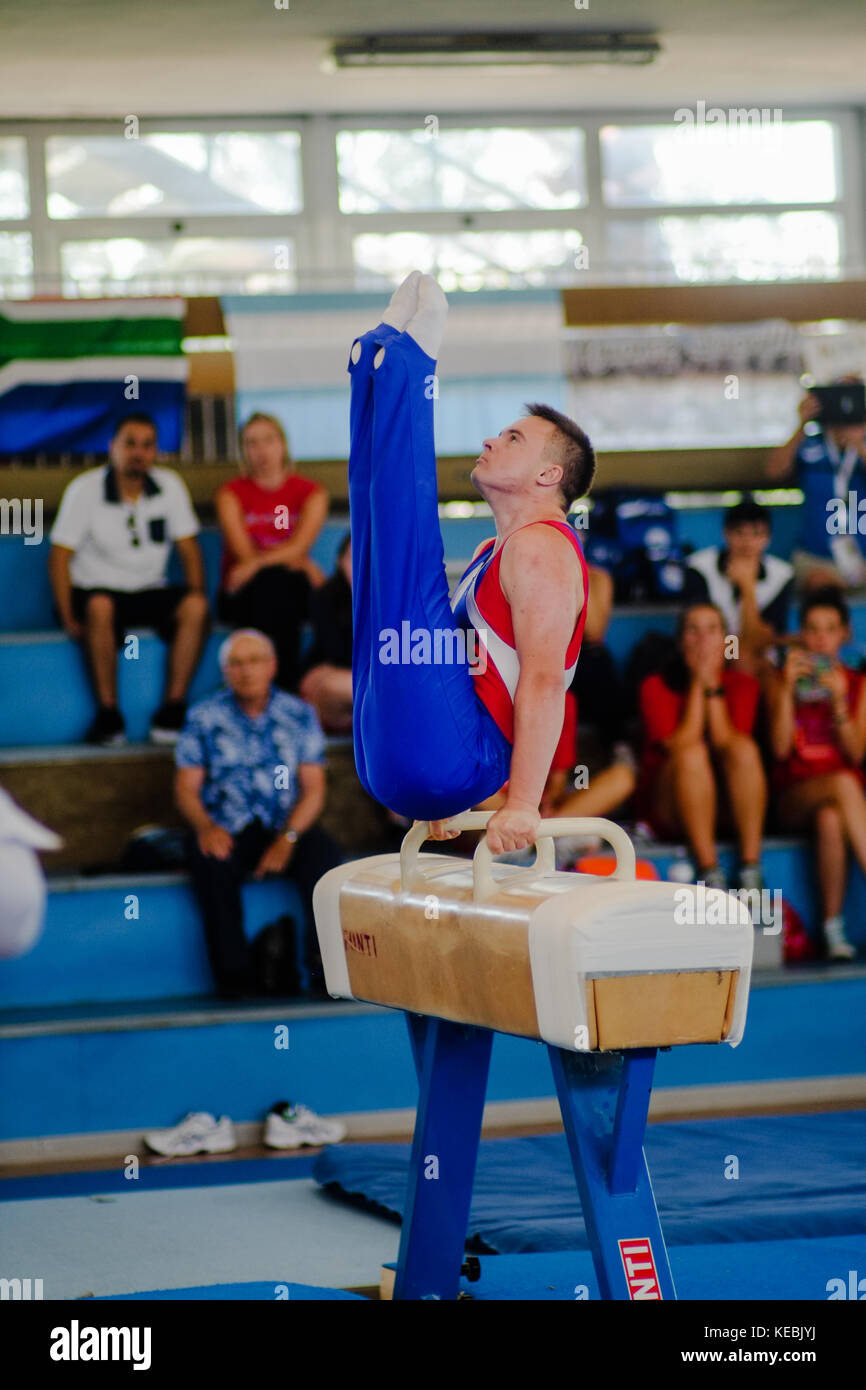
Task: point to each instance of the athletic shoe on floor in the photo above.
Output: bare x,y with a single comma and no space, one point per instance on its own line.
197,1133
714,877
838,945
168,722
751,878
108,729
623,754
291,1126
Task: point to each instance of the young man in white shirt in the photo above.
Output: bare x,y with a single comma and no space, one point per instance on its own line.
111,545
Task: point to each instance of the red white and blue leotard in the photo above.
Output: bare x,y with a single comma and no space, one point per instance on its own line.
478,602
431,737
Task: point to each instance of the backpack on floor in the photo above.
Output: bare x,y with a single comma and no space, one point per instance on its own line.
274,961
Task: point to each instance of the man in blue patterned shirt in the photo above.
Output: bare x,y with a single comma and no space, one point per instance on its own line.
251,783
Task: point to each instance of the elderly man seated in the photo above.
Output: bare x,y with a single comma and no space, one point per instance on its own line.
251,782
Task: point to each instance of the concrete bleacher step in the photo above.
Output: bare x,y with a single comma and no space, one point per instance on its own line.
94,798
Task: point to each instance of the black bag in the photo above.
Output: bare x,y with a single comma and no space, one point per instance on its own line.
273,958
154,849
634,536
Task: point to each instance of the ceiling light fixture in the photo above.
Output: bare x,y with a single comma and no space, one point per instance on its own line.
494,50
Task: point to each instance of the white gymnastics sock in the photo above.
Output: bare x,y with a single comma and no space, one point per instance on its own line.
403,302
427,324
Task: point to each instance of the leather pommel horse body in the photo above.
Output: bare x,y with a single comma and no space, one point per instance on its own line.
603,970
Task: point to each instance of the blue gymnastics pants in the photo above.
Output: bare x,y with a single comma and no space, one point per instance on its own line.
425,745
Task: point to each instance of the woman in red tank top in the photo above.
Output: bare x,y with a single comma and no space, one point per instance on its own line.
698,751
818,735
269,517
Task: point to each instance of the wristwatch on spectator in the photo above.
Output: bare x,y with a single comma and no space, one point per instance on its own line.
291,835
714,690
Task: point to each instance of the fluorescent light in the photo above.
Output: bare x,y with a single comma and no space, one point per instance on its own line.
494,50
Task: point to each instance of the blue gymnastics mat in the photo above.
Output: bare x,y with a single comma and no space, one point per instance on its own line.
787,1270
245,1293
798,1177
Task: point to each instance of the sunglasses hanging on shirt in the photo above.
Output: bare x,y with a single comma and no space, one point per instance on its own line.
134,537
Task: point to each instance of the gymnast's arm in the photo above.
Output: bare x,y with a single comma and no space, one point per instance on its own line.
542,582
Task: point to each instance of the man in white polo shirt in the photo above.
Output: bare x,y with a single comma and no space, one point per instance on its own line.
111,545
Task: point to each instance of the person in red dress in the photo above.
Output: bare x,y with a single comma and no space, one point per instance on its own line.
270,517
700,764
818,736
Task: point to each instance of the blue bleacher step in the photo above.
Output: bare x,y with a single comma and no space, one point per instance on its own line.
138,1066
95,948
131,937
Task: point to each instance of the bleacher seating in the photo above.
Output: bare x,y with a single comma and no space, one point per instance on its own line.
106,996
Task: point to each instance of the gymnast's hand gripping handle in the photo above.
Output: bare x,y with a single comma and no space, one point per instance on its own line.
483,881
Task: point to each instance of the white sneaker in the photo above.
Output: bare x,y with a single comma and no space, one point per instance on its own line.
838,945
569,848
197,1133
291,1126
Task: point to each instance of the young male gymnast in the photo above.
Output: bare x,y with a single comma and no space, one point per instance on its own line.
434,738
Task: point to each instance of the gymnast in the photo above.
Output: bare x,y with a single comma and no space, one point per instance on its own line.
433,738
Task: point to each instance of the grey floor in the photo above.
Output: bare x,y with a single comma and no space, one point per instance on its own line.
288,1232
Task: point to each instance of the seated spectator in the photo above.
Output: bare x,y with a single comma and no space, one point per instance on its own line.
600,795
269,518
327,685
827,462
111,545
250,782
698,716
596,685
818,736
751,588
566,795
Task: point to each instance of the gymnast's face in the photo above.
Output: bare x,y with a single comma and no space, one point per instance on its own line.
514,461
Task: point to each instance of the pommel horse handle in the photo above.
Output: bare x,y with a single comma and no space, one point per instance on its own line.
484,883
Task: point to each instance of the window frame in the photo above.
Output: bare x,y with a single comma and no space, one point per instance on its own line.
323,235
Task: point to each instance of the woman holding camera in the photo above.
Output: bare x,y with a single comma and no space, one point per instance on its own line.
818,737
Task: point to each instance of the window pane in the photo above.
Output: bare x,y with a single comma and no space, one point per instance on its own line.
187,265
788,162
16,265
171,175
470,261
494,170
753,246
13,177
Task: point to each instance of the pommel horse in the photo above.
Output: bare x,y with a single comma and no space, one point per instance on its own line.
605,971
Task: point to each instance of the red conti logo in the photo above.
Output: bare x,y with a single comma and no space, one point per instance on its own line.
640,1269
